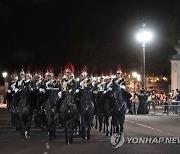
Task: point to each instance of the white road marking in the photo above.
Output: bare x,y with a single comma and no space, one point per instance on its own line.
47,146
148,127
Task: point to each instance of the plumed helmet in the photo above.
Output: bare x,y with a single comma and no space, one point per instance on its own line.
14,74
22,73
48,73
102,75
118,69
69,69
28,74
84,71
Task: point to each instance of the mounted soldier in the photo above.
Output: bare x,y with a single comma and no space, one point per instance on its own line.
11,89
68,81
101,83
21,81
84,81
120,81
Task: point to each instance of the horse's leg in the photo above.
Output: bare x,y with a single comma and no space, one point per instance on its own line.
72,121
96,119
122,118
104,122
117,125
29,124
26,127
100,121
89,127
114,125
54,128
66,132
111,126
107,125
21,124
80,130
49,123
83,127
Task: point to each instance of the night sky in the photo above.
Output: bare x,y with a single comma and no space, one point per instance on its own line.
97,33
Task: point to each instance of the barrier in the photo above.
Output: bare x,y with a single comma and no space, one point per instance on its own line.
169,108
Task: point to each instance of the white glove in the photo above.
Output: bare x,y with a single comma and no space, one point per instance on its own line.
95,92
122,86
16,90
60,94
42,90
70,90
9,91
110,89
77,90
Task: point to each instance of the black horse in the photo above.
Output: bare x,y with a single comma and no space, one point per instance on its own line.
98,103
24,111
119,108
107,107
50,108
69,114
86,111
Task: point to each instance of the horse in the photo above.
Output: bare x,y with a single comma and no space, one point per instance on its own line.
24,111
69,114
107,101
119,108
39,114
50,108
86,111
97,99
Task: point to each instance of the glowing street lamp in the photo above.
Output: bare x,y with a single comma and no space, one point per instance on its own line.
144,36
4,75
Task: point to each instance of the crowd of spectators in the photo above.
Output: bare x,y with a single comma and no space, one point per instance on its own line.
160,98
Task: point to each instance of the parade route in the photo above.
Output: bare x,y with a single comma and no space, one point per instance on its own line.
135,126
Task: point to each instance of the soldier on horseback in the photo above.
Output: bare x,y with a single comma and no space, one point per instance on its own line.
68,81
84,81
120,80
11,89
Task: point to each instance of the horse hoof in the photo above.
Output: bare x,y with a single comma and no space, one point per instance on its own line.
50,138
71,141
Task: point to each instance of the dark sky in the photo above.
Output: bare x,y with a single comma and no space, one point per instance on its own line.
98,33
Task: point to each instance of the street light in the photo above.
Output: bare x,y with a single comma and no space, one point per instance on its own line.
4,75
144,36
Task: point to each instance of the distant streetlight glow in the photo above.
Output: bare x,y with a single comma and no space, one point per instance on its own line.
4,74
134,74
138,77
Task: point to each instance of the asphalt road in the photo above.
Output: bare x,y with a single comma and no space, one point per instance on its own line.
11,141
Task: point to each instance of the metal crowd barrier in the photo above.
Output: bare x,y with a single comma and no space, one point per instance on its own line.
169,108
